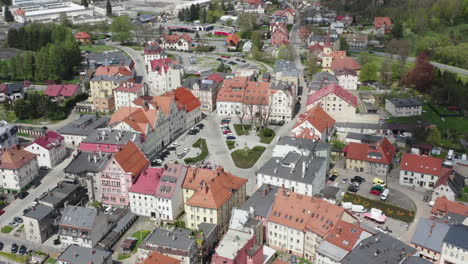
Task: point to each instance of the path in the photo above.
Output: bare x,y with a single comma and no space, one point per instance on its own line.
55,126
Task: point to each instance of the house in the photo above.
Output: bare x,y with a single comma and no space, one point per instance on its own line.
157,193
158,258
111,57
382,25
75,254
260,204
339,242
11,91
232,41
8,135
62,91
206,90
442,207
304,34
348,63
346,19
83,38
337,102
151,52
357,41
278,23
18,169
278,38
399,107
282,102
50,149
285,145
375,159
428,239
82,226
107,140
164,75
41,223
449,185
230,97
65,193
177,243
113,70
126,93
250,7
421,171
287,13
286,71
338,26
102,95
77,130
348,79
315,124
188,103
362,128
121,173
381,248
320,80
293,226
210,195
175,42
454,248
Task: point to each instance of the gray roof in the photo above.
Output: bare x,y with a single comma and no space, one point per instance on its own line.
108,136
364,138
178,238
109,58
288,68
75,254
303,143
40,212
456,183
416,260
360,125
453,218
84,125
203,84
111,78
262,200
405,102
317,38
429,234
283,86
321,79
59,194
14,88
457,236
123,222
207,229
345,71
79,217
295,167
84,162
330,192
379,249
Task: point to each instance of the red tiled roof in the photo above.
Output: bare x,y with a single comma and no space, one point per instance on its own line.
174,38
69,90
129,87
137,118
444,179
304,32
53,90
148,181
335,89
112,70
443,206
421,164
215,77
158,258
13,158
185,98
131,159
345,63
344,235
82,35
20,12
380,21
49,140
316,47
233,90
257,93
232,38
159,65
366,152
318,118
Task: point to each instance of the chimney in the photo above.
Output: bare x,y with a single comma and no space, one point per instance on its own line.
76,254
89,157
264,192
95,157
432,227
303,169
93,252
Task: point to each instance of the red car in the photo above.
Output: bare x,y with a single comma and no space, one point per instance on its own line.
227,132
374,192
226,57
2,212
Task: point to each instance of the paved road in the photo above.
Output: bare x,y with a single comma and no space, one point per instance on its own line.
136,56
457,70
72,116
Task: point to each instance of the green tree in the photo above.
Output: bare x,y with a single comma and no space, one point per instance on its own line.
311,65
344,44
368,72
229,22
364,58
434,137
23,109
108,9
397,30
84,3
286,52
8,15
121,28
256,37
386,72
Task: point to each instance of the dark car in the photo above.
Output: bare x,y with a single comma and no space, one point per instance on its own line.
200,126
358,179
18,219
1,245
25,211
426,198
230,137
333,178
22,250
219,59
22,195
36,184
14,248
353,188
57,241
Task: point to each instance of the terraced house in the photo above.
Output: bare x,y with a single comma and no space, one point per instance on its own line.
375,158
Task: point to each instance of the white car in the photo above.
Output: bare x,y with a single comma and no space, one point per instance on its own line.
108,210
186,150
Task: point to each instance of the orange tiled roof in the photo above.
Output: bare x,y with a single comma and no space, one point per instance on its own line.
137,118
14,158
256,93
344,235
82,35
232,38
184,97
367,152
443,206
303,212
158,258
345,63
131,159
381,21
162,102
304,32
318,118
233,90
113,70
338,54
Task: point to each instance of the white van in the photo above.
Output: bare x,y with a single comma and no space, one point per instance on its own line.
450,154
384,194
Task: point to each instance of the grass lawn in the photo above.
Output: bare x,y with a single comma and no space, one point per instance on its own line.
246,158
50,260
7,229
366,88
14,257
201,144
144,234
242,131
123,256
231,144
464,195
97,48
266,135
388,209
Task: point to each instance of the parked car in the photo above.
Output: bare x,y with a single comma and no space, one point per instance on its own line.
226,121
374,192
226,57
384,194
44,168
22,250
22,195
377,188
108,210
2,212
227,132
57,241
200,126
333,177
425,198
14,248
358,179
378,181
230,137
353,188
18,219
1,245
36,184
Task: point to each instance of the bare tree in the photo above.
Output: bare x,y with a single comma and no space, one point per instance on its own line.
241,114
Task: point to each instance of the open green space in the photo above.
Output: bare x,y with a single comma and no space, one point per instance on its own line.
246,158
388,209
97,48
366,88
14,257
7,229
242,130
140,235
231,144
201,144
266,135
464,195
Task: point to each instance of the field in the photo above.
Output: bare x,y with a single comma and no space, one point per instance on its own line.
246,158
